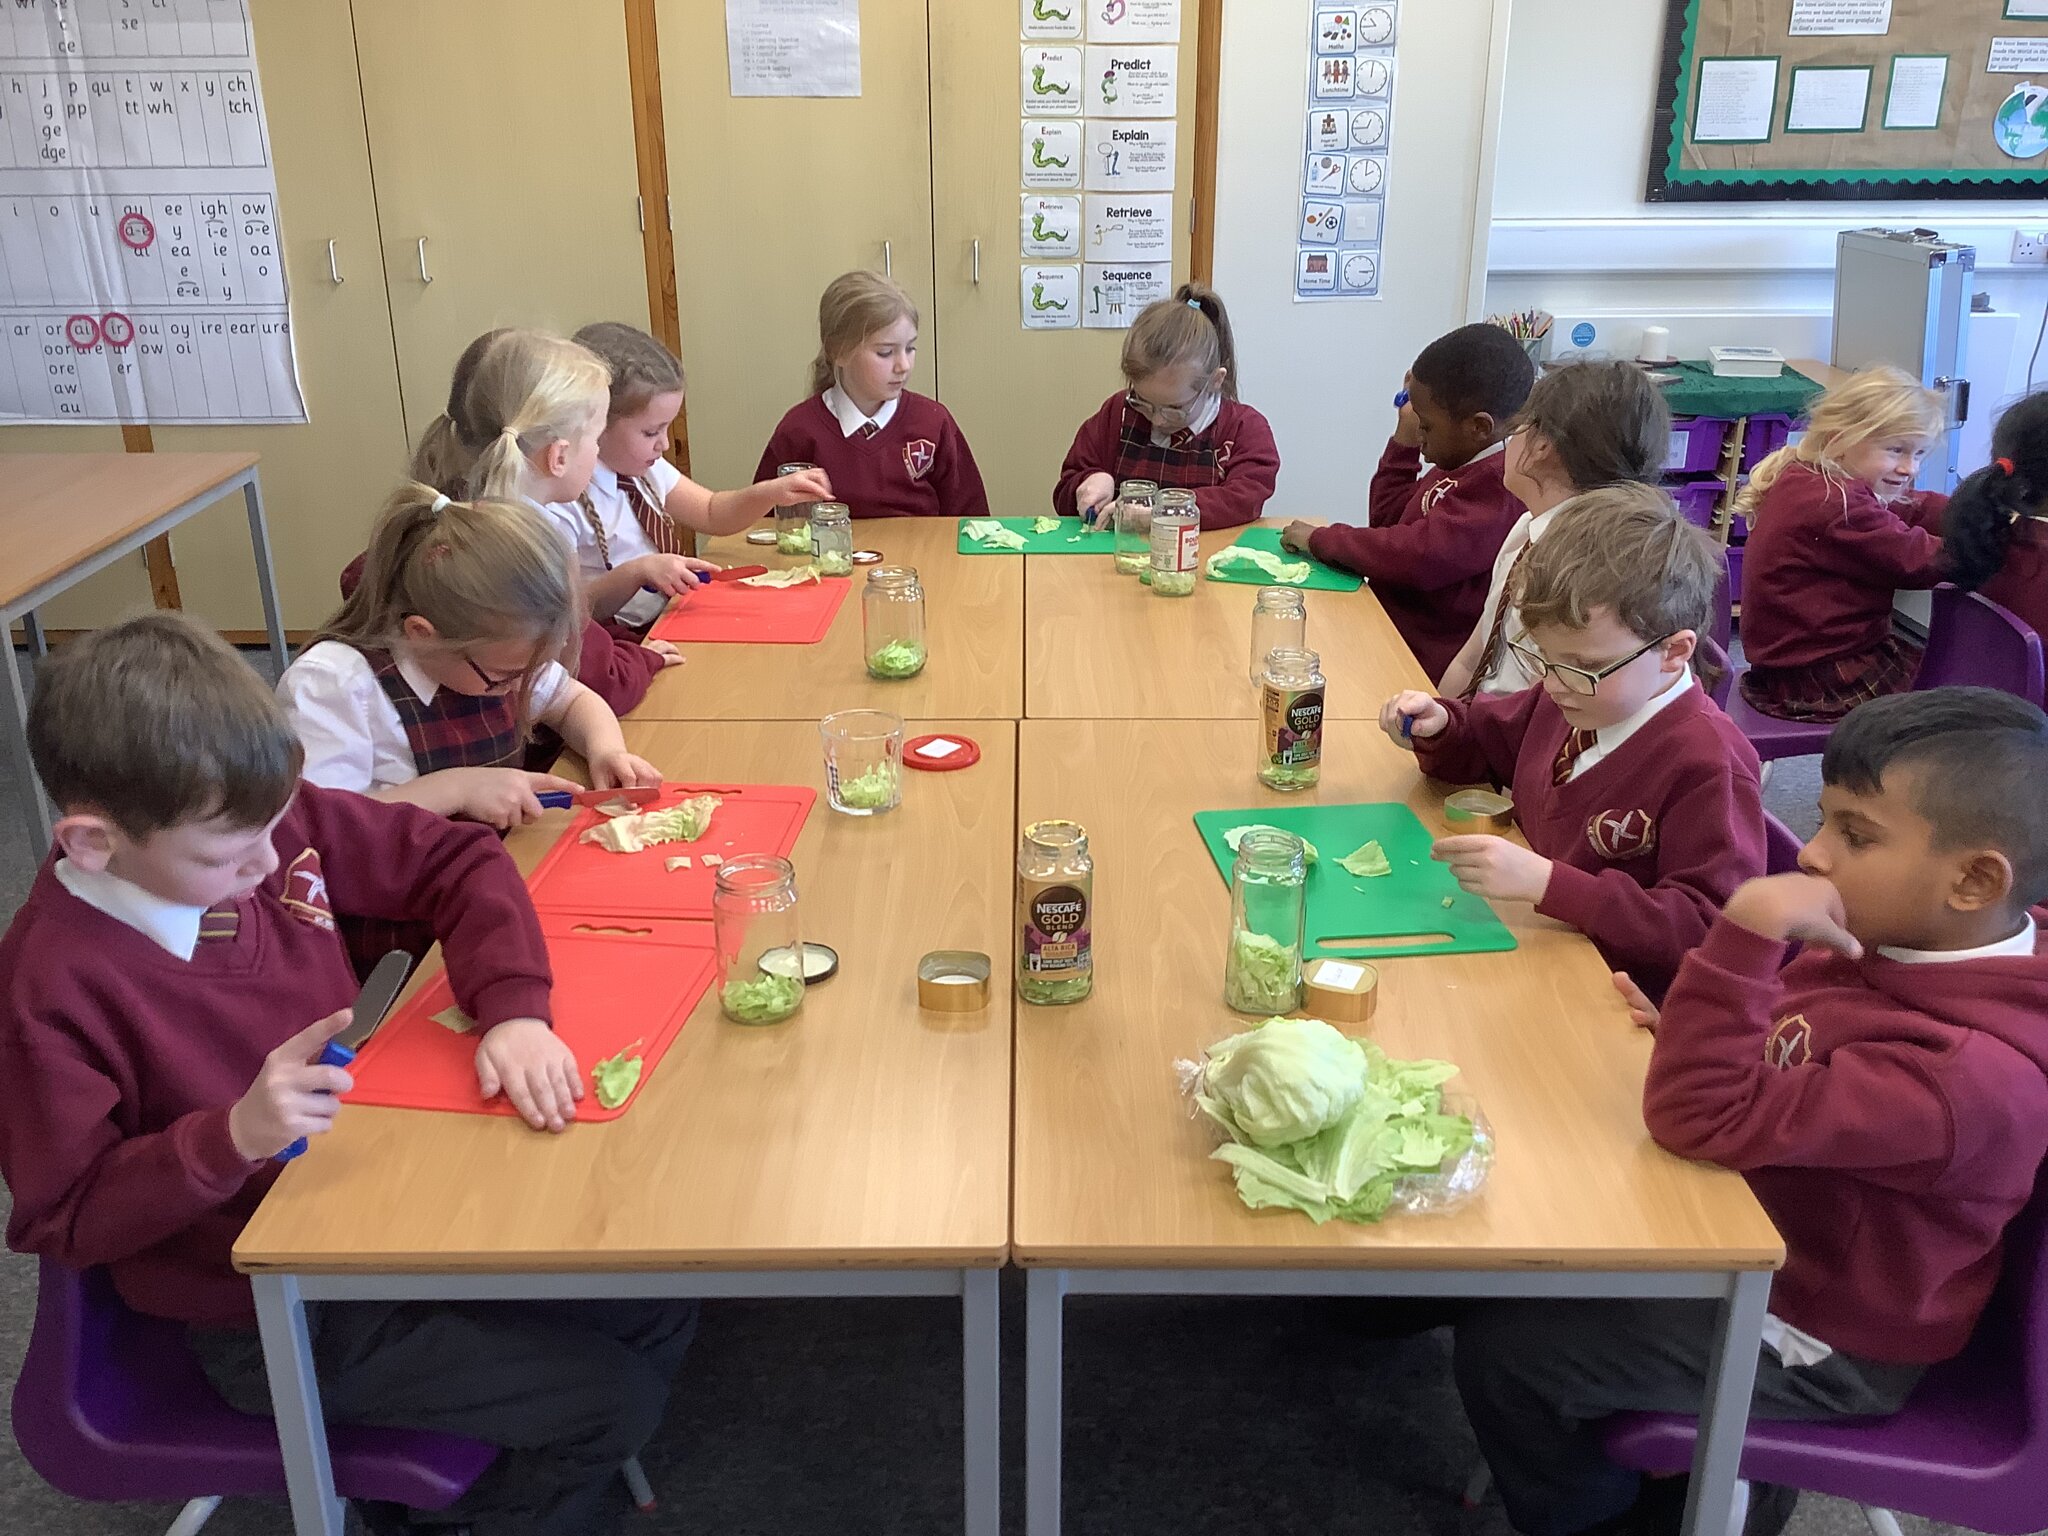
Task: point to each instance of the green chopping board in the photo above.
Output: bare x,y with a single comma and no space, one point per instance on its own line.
1403,912
1321,577
1062,541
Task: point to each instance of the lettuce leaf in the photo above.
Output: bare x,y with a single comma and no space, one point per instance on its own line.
1367,862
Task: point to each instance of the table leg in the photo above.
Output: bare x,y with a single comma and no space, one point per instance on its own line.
295,1401
32,631
35,810
1724,1416
266,575
1044,1303
981,1343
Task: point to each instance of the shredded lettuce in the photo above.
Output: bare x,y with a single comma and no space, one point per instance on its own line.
870,790
793,541
986,530
896,659
616,1077
683,823
766,999
1290,775
1367,861
835,562
1045,525
1232,556
1262,975
1173,583
1235,835
795,576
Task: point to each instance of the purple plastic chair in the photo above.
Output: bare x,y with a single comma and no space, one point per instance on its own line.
1969,1449
113,1405
1973,641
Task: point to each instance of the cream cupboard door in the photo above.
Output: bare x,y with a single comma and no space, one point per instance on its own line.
323,481
1018,395
773,197
501,136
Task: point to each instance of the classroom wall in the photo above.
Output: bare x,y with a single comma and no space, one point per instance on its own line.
1571,234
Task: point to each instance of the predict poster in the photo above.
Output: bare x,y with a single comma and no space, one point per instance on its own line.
1345,150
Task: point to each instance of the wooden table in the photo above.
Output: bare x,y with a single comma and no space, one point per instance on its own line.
64,516
859,1149
974,612
1100,646
1114,1191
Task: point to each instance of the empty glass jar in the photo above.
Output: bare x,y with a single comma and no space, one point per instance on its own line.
1135,500
1279,623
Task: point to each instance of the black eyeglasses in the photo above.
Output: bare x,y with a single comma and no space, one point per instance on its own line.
1578,679
493,684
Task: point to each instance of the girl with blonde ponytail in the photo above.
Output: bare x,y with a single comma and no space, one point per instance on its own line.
1836,529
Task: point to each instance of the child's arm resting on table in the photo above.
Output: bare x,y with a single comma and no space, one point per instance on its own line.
587,724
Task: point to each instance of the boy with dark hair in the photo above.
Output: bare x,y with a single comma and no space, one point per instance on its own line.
168,986
1429,543
1640,800
1885,1094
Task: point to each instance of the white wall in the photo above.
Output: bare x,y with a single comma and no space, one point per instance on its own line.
1571,233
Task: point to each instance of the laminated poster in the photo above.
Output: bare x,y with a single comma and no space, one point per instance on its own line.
1345,150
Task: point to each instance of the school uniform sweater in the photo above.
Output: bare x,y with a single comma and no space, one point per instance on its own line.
1890,1117
119,1061
917,465
1823,560
1429,546
2021,584
1231,465
1647,844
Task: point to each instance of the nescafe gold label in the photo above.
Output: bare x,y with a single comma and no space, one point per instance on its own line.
1294,725
1055,923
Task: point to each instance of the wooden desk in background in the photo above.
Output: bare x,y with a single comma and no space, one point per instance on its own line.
1100,646
974,615
1114,1191
859,1149
64,516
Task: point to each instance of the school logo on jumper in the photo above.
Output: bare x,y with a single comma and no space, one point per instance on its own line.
305,891
1437,493
1790,1043
1622,834
918,455
1223,456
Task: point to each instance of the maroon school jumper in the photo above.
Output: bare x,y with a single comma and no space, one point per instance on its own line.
1647,844
2021,584
1429,547
120,1061
1890,1119
1823,560
919,465
1231,465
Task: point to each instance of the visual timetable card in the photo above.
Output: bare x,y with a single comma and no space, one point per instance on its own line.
141,265
1345,149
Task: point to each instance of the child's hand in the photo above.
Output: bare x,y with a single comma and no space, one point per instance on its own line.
672,575
504,797
1294,537
1093,494
804,485
1407,425
1641,1011
1411,716
1796,906
293,1095
1494,867
528,1063
622,770
666,650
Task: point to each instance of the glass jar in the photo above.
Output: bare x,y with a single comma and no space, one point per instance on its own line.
1176,544
863,761
1279,623
1055,914
892,622
1291,719
1135,500
1268,906
793,522
754,919
832,538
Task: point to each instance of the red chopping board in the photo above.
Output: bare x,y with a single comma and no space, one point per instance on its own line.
617,981
576,876
733,613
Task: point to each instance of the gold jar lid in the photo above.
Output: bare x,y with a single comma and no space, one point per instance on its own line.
1340,991
953,981
1484,810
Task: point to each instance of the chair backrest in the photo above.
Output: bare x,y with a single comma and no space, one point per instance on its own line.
1717,670
2017,1318
1723,631
1973,641
1781,847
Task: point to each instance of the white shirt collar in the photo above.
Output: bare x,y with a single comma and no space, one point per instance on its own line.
1541,520
2021,943
165,923
1612,736
423,686
604,478
848,414
1483,455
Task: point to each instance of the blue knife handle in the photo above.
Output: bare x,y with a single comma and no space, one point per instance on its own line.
556,799
332,1054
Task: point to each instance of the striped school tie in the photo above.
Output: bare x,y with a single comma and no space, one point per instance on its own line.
654,522
1576,746
1499,630
218,923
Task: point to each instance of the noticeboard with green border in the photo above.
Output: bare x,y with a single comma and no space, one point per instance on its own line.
1954,98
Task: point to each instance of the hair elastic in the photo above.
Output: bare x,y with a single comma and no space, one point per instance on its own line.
440,501
1194,303
2006,465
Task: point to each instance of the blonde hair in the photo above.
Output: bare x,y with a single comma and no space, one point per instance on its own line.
1874,403
641,366
524,390
853,307
478,571
1624,548
1191,327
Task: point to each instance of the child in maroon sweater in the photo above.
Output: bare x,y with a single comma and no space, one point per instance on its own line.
887,451
1996,527
168,986
1883,1093
1429,543
1640,800
1835,529
1178,423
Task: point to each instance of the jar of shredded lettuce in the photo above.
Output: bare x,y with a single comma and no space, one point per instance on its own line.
1291,719
1176,544
1055,914
1131,520
892,622
1268,891
832,538
754,914
793,522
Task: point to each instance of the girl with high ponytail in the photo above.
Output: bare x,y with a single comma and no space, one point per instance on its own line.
1996,527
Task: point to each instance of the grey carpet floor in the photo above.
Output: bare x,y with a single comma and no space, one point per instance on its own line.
839,1418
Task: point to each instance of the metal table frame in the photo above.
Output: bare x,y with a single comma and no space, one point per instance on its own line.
295,1395
1724,1416
35,806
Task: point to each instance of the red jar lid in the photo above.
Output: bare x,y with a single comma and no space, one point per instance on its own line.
940,754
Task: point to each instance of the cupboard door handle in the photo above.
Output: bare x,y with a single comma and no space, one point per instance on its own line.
977,263
668,212
425,275
333,268
640,204
888,261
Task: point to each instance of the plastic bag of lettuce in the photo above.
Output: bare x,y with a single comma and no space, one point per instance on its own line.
1318,1122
